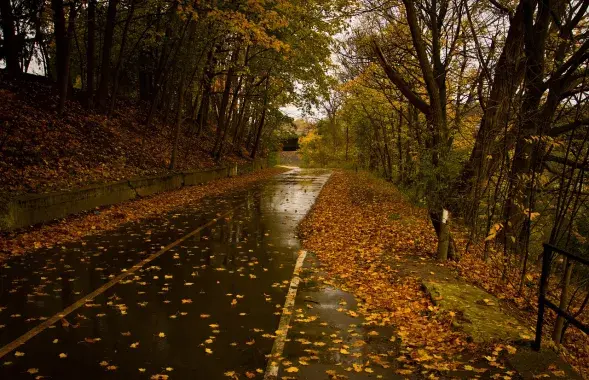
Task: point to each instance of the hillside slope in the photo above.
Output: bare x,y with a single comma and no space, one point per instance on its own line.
41,151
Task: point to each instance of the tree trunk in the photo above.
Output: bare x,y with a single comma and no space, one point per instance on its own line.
519,201
564,299
111,17
232,111
62,47
497,108
347,140
443,241
207,88
223,114
117,72
178,124
400,146
240,129
11,49
90,63
262,120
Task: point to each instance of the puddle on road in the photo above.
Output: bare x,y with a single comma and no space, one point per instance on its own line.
208,306
329,339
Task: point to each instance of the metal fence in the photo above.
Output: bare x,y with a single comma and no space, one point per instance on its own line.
543,302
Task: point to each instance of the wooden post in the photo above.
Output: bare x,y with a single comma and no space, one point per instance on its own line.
444,236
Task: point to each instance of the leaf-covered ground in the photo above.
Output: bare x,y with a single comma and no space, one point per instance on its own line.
41,151
76,227
362,229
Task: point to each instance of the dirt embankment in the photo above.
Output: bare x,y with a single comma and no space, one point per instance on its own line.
41,151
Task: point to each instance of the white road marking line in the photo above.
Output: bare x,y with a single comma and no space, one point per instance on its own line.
284,325
82,301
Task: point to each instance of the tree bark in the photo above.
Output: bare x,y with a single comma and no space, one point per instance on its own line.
557,334
111,17
400,146
90,48
178,124
11,49
262,120
223,114
508,76
207,88
116,74
62,51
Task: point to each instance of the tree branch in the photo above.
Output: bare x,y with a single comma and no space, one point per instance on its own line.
502,8
567,162
559,130
399,82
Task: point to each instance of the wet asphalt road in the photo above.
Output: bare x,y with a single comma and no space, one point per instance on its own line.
208,306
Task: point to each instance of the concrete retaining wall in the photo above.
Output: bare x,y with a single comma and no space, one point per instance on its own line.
32,209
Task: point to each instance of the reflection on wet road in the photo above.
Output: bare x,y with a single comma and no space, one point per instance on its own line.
206,307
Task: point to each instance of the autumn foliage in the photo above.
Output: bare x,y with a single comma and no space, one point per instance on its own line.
367,234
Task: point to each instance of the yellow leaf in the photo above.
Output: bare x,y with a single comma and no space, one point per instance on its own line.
292,369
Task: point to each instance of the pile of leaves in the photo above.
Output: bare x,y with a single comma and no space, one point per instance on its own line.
354,228
76,227
362,229
41,151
